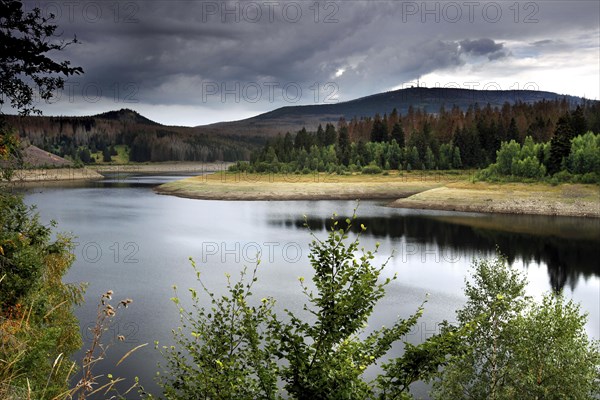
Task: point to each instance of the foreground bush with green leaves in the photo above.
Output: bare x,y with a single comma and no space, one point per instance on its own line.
518,348
239,348
38,330
505,345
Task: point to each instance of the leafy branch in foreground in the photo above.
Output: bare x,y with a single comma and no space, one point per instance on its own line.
26,39
226,351
232,346
326,357
517,348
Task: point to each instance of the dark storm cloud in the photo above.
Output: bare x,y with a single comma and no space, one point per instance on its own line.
543,42
483,47
170,50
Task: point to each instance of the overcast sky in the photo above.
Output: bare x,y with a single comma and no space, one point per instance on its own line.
198,62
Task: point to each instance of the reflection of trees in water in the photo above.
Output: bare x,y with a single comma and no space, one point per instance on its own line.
566,260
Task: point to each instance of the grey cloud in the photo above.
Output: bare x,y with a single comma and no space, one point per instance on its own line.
543,42
173,46
480,47
497,55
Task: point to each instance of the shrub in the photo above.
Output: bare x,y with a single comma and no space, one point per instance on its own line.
239,348
371,169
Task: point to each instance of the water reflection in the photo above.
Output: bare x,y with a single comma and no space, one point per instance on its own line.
570,247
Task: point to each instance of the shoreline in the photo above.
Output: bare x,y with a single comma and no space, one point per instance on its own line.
276,187
55,175
91,172
163,167
442,192
569,200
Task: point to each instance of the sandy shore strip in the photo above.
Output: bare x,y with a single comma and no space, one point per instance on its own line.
55,174
164,167
510,198
415,191
230,186
95,172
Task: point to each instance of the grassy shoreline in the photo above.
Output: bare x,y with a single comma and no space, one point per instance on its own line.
244,186
575,200
94,172
437,191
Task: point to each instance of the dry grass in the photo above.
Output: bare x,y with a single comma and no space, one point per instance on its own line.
441,191
55,174
510,198
242,186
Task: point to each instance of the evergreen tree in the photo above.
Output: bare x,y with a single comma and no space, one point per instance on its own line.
343,147
302,140
560,145
320,136
330,135
513,132
287,148
578,122
398,134
379,132
470,150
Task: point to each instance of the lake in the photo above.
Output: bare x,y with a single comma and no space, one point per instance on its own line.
137,243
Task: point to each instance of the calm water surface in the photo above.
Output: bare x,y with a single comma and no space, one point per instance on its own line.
137,243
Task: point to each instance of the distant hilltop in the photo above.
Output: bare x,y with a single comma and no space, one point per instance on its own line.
93,138
431,100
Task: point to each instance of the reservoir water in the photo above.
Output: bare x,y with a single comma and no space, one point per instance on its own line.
137,243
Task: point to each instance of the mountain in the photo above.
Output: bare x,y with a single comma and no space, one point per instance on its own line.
293,118
126,115
147,140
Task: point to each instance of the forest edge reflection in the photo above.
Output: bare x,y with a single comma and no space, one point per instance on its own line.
546,241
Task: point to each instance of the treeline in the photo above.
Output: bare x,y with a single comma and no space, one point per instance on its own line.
78,138
447,140
579,162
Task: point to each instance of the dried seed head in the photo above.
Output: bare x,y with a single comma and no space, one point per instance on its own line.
126,302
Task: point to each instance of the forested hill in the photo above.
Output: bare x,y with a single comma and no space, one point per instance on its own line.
431,100
131,136
125,135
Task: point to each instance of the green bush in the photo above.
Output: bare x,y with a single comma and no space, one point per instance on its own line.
585,154
371,169
517,348
32,266
235,347
590,177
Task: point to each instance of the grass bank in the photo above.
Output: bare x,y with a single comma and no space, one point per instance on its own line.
576,200
162,167
451,191
55,174
93,172
319,186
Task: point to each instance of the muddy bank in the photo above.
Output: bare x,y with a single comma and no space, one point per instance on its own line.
409,191
535,199
55,174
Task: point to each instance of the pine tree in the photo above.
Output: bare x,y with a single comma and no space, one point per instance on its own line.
398,134
379,133
343,147
560,145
